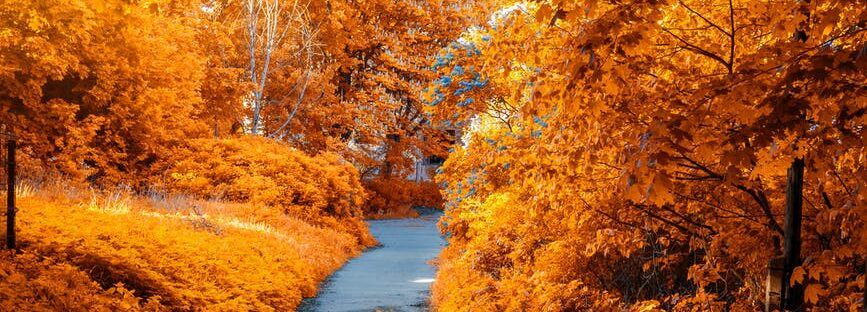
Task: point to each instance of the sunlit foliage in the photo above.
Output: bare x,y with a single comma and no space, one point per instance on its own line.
323,190
633,154
105,90
98,89
115,250
615,155
396,197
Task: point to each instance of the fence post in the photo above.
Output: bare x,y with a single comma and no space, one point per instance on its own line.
10,192
793,295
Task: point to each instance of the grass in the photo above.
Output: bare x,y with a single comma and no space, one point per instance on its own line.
158,251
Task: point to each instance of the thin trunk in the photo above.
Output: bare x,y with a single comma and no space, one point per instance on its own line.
254,125
266,40
793,295
252,31
308,35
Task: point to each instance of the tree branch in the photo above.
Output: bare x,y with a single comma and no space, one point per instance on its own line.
699,50
712,24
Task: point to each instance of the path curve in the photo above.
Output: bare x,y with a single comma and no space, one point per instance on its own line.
393,277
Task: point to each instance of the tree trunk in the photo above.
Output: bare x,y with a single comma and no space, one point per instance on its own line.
257,107
793,296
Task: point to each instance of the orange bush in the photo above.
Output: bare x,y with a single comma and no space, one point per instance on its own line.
95,93
34,282
324,189
118,251
396,197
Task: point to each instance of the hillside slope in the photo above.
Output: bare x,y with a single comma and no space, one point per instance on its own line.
82,249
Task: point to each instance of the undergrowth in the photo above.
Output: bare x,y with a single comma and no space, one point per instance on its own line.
82,249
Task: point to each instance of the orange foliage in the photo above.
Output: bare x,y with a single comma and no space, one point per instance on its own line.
650,138
632,155
324,189
103,90
157,95
42,283
396,198
110,251
345,78
98,88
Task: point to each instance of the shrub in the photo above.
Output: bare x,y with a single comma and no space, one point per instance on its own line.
41,283
395,197
118,251
323,189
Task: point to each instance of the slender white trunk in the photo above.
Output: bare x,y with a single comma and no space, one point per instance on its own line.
261,44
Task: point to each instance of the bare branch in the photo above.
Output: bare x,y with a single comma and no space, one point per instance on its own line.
712,24
732,37
699,50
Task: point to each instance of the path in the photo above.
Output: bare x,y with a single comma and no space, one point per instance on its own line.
394,277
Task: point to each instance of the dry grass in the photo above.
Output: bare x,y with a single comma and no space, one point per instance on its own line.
162,251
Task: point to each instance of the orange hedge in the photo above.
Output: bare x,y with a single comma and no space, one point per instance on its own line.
324,189
395,197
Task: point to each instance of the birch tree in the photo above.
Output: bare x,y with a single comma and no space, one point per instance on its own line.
267,24
307,45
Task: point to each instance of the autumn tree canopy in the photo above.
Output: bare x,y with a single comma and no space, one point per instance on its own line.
339,76
104,90
652,138
99,88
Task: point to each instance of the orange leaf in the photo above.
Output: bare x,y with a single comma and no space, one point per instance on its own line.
798,276
812,293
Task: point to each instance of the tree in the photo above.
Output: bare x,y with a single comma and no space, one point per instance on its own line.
277,19
97,89
654,138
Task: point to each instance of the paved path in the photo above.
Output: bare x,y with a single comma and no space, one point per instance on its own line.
394,277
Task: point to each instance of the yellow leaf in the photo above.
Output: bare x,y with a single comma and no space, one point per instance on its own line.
646,306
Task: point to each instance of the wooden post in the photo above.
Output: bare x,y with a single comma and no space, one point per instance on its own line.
864,301
10,193
793,296
773,284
